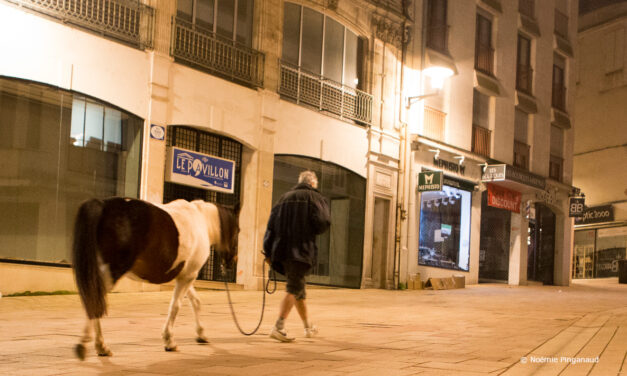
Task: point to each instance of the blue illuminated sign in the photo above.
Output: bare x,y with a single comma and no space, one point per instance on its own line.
200,170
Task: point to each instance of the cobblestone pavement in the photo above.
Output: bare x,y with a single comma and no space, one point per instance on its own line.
480,330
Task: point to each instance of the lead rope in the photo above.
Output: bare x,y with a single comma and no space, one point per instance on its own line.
263,304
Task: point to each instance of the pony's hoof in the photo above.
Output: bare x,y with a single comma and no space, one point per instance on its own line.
80,351
171,348
202,339
104,351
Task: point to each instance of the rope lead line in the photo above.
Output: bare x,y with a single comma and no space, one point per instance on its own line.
263,304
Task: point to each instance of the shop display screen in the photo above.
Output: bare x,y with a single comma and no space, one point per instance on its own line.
445,229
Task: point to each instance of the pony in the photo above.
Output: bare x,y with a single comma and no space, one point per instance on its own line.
154,243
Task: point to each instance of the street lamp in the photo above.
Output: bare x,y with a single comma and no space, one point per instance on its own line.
437,74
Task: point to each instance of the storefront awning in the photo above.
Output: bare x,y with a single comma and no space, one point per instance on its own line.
513,178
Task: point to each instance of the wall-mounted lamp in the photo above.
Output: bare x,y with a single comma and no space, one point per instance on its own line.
437,153
437,74
461,159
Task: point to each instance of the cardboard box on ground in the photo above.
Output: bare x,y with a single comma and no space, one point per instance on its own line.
454,282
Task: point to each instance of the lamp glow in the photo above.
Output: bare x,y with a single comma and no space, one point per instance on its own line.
438,74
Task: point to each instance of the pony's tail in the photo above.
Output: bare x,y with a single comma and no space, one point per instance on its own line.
89,281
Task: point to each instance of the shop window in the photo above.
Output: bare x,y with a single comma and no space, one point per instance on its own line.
61,149
583,254
340,249
445,229
611,247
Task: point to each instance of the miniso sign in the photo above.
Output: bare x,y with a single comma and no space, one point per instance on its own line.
199,170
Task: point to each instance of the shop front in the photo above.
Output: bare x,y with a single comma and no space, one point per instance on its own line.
447,215
600,243
214,175
520,229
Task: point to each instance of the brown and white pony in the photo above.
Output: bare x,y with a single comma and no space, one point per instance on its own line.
154,243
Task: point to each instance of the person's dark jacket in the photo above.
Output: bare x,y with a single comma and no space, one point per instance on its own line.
296,219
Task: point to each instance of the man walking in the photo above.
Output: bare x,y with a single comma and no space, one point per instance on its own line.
290,246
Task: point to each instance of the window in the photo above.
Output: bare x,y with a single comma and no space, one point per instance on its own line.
557,146
559,89
445,228
229,19
321,45
481,124
524,73
340,249
484,53
59,149
521,145
561,18
527,7
437,27
614,50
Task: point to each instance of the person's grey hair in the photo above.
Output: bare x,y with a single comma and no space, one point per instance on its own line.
308,177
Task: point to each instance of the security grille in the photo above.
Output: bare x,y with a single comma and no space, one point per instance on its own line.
325,95
220,146
128,21
198,47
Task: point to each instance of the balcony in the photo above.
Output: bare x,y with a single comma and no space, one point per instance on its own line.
527,8
524,78
481,140
333,98
433,126
200,48
521,154
125,21
437,38
484,58
558,98
555,167
561,24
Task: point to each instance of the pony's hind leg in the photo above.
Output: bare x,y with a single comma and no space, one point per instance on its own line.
81,349
101,348
195,302
179,292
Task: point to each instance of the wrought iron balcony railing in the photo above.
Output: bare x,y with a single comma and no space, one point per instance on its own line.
521,154
127,21
313,90
481,140
201,48
524,78
434,121
561,24
484,58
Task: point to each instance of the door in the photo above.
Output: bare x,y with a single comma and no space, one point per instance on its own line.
494,242
541,251
380,236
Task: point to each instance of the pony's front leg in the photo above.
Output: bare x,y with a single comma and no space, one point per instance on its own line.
101,348
81,349
179,292
195,302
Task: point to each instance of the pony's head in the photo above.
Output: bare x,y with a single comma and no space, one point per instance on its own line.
229,233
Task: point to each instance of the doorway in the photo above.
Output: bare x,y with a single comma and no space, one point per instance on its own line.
380,236
494,243
541,246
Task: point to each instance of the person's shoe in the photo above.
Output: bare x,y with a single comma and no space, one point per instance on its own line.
311,332
280,335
